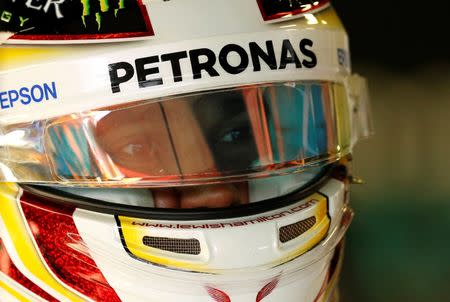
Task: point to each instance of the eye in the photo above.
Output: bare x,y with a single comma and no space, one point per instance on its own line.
132,149
231,136
236,135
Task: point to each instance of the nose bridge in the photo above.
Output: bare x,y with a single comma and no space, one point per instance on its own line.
188,142
214,196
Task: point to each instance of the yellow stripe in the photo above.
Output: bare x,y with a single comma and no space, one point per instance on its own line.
22,56
132,236
23,244
133,239
13,292
320,229
342,113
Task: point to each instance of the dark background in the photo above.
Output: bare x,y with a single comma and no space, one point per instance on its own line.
399,34
398,247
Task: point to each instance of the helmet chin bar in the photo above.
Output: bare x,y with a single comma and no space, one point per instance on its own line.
244,257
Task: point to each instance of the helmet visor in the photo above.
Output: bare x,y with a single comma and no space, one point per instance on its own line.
233,134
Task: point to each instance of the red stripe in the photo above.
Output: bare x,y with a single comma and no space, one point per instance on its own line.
63,249
217,295
83,36
8,268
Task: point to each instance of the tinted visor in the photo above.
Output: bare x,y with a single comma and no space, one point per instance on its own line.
233,134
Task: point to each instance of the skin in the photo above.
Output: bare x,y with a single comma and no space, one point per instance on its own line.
165,139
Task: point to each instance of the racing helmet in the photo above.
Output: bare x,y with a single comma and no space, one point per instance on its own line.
198,154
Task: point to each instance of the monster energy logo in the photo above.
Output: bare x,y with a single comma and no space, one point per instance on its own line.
122,18
99,10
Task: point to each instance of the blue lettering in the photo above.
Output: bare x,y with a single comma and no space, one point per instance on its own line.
33,94
13,97
24,93
3,100
51,91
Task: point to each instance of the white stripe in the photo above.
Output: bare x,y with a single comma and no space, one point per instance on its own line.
11,249
84,83
19,288
6,297
4,35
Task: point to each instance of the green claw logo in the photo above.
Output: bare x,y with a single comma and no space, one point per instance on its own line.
109,15
96,10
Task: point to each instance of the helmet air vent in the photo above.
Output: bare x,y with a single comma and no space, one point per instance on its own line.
174,245
292,231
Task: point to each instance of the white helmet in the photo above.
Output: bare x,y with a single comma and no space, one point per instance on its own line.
202,158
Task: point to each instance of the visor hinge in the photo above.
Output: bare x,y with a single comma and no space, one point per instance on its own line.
355,180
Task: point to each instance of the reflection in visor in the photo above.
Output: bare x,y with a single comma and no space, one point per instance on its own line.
222,195
235,134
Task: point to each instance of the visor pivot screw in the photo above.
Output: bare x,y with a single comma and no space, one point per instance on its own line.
356,180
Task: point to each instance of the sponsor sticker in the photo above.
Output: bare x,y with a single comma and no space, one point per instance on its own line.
154,70
74,20
232,58
281,10
26,95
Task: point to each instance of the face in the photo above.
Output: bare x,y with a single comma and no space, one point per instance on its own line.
211,135
183,137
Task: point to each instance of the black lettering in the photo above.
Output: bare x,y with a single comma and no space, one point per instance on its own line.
308,53
258,53
288,55
174,59
114,74
214,226
208,66
142,72
223,58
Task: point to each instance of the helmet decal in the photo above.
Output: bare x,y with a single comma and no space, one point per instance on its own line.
217,295
287,9
36,20
267,289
